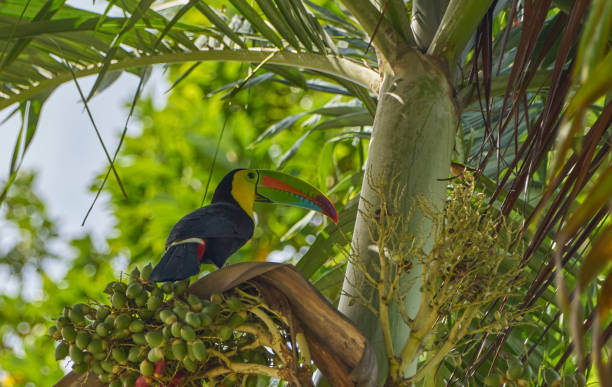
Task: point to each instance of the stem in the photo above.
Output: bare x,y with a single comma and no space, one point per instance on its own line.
386,38
412,141
426,17
458,331
457,27
327,64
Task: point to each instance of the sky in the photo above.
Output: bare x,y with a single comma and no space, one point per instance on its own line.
67,155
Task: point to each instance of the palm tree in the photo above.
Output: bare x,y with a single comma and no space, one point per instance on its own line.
515,91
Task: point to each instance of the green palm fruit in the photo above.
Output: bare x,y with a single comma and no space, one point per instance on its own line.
189,364
54,332
199,350
195,303
163,314
119,287
216,298
154,338
69,333
187,333
134,290
96,346
109,288
115,383
193,319
167,317
153,303
157,292
128,379
137,354
97,368
139,338
119,354
80,368
146,271
62,322
107,365
102,330
145,314
134,274
119,334
180,309
167,287
104,378
101,313
155,354
205,319
225,332
110,320
122,321
211,310
84,309
61,351
136,326
76,316
175,329
179,287
169,355
236,320
118,300
234,303
141,299
167,332
76,354
82,339
146,368
179,349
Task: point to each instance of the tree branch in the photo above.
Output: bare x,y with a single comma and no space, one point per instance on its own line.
458,25
386,37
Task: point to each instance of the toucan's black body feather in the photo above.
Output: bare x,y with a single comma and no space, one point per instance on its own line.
223,225
179,261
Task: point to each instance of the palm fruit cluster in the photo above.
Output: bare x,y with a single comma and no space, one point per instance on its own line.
160,334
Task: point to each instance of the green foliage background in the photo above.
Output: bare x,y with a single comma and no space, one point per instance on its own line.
164,169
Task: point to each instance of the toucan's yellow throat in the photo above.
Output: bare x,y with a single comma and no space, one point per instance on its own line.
244,185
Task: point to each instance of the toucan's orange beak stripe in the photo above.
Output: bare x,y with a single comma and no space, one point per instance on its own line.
293,192
271,182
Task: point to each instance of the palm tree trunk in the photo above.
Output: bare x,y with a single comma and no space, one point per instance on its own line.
412,142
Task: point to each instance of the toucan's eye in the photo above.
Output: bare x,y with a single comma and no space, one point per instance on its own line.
251,175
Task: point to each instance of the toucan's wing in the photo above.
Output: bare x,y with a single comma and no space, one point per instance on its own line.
217,220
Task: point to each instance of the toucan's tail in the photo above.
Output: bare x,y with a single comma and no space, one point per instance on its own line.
180,262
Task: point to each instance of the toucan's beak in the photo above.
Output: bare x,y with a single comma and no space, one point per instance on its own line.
277,187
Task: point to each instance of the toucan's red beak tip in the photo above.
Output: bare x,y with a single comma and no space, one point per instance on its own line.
328,208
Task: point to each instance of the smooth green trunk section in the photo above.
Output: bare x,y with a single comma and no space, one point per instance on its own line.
412,143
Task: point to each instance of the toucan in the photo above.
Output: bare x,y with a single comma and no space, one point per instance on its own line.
211,234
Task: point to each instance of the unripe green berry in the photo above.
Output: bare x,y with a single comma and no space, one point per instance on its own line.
61,351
